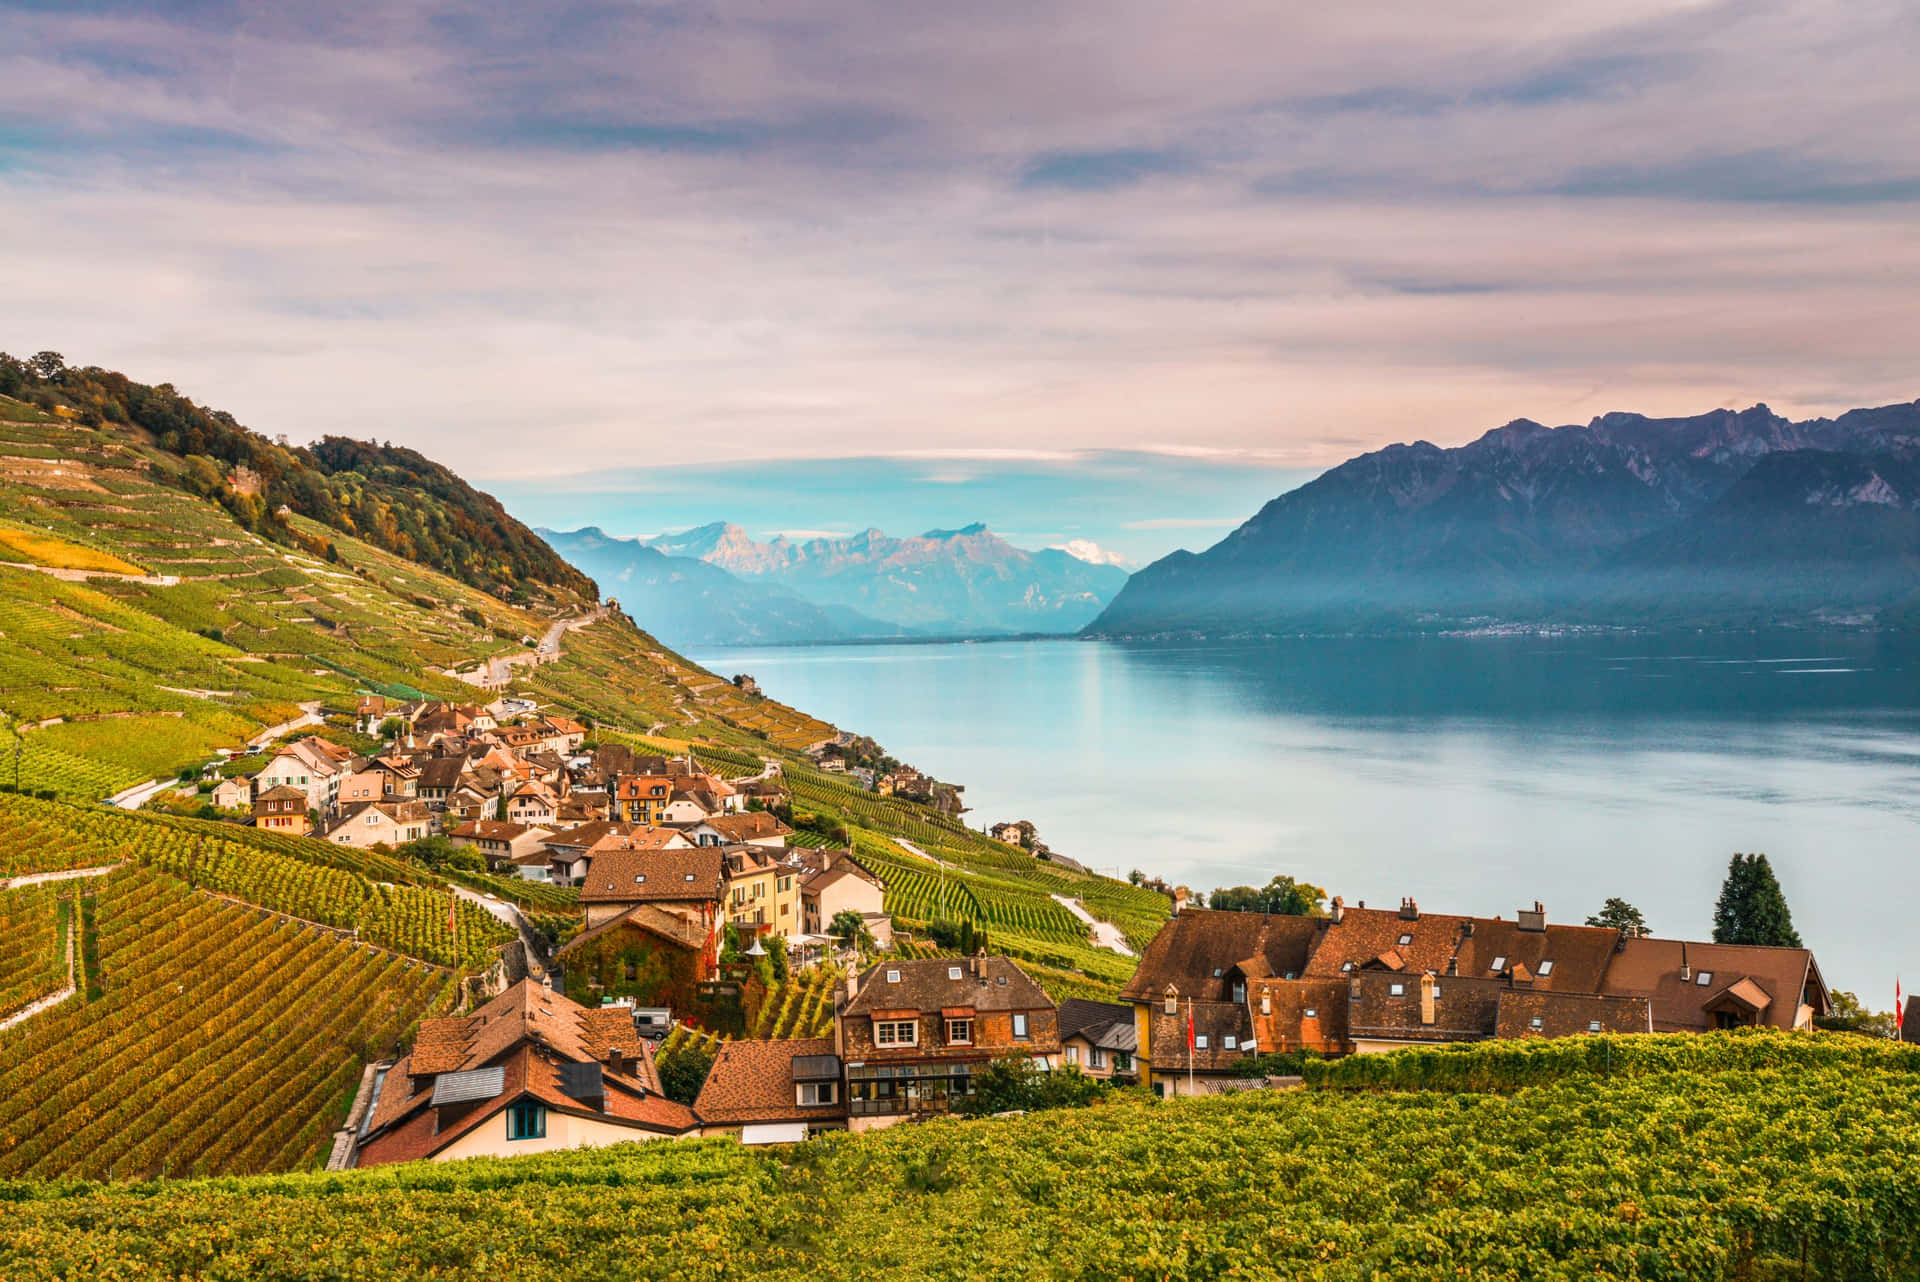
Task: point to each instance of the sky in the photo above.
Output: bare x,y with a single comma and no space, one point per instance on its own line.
556,244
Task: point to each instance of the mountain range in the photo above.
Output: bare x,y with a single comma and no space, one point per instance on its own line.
716,585
1724,518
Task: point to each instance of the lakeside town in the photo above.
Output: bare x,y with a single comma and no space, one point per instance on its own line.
689,880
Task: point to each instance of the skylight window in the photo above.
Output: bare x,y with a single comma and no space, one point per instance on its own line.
1534,1022
893,977
1232,1042
1705,977
1593,1026
1405,940
953,972
1546,968
1312,1013
1500,962
1345,967
1200,1042
639,879
689,876
1396,990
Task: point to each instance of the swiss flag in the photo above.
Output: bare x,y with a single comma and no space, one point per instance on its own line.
1899,1008
1189,1028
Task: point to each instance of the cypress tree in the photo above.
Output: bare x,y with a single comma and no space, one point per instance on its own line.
1752,908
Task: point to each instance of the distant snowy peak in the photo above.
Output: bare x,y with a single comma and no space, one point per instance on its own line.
1092,553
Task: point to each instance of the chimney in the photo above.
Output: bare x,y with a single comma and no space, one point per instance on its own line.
1339,909
1409,911
1686,969
1266,1003
1179,900
1429,989
1535,920
1453,964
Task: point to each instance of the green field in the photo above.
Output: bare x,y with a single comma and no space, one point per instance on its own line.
1763,1156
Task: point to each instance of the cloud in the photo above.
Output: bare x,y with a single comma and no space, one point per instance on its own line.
1184,523
647,235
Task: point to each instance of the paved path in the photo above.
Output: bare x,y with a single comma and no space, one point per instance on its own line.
139,795
65,874
310,716
1105,933
81,576
509,913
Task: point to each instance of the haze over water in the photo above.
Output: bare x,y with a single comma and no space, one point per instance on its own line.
1476,774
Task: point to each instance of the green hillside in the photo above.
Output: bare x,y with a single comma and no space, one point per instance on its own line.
1765,1155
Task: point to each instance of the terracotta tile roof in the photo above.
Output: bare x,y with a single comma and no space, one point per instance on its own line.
1195,950
633,876
1569,1014
1300,1014
1669,972
1215,1021
1372,936
491,830
927,984
1464,1010
285,792
752,1081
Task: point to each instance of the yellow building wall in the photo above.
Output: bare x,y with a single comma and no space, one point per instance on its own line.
489,1139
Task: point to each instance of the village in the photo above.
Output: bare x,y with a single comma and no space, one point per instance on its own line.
687,878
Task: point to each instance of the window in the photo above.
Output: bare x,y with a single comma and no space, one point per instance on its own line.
633,970
813,1094
896,1032
526,1121
1704,978
1096,1058
1020,1026
1534,1022
1593,1026
1396,990
953,972
959,1032
689,876
1122,1062
1231,1042
1405,940
1073,1054
1346,968
639,879
1500,962
1200,1041
1239,990
1546,968
1311,1013
893,977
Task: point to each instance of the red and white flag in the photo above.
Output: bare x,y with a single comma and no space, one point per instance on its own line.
1899,1009
1189,1028
453,912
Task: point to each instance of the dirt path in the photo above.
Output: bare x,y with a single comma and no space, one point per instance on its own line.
65,874
1105,933
53,999
310,716
81,576
510,914
140,794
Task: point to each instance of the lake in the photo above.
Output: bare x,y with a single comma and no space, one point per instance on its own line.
1476,774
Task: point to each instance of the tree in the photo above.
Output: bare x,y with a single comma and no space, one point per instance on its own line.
1015,1082
1618,914
393,728
1752,908
850,928
47,366
684,1072
1283,896
1845,1014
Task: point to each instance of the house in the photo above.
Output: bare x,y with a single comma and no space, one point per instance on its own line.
528,1072
1097,1038
401,777
571,850
282,809
911,1033
315,765
361,785
370,714
690,882
439,776
1909,1019
640,799
233,794
370,823
1214,988
689,806
833,882
763,891
649,954
561,734
752,828
773,1092
532,803
500,844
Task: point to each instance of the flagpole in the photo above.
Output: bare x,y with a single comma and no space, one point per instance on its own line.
1190,1038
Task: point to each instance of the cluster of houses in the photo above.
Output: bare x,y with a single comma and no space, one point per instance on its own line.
1214,991
657,845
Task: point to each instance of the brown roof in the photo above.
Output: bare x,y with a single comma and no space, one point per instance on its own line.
490,830
1195,950
285,792
1108,1025
1464,1010
1280,1014
928,984
1670,972
1215,1021
632,876
752,1081
1570,1014
442,772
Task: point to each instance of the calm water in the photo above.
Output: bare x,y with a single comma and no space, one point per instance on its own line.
1475,774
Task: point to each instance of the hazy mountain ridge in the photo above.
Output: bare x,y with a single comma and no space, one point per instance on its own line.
964,581
1610,522
689,602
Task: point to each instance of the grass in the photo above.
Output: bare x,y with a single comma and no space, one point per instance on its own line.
44,549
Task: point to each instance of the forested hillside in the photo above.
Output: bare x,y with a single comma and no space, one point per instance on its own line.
1751,1156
